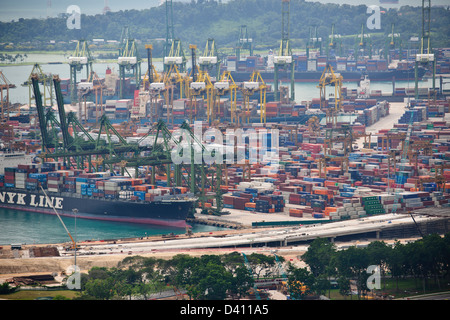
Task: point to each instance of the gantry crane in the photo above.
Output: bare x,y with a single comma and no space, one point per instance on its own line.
327,159
426,55
196,88
203,85
415,149
314,125
314,42
5,85
80,58
175,67
97,89
149,76
363,44
154,83
335,43
79,146
284,59
248,89
129,60
244,42
344,136
175,57
330,78
393,41
45,79
209,61
226,85
169,28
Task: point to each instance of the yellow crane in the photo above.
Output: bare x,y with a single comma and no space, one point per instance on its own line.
152,74
198,88
330,78
249,88
223,86
313,125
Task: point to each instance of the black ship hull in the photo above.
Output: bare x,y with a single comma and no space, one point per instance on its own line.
171,212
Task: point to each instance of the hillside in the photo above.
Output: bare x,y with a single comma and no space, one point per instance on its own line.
196,21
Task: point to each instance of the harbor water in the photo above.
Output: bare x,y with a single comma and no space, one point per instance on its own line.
56,65
20,227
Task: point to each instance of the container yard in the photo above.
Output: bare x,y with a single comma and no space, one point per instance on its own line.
113,137
224,139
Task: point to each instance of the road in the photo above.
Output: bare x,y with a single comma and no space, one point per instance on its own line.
280,237
431,296
396,110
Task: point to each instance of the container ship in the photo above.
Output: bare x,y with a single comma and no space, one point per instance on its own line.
310,70
110,84
47,188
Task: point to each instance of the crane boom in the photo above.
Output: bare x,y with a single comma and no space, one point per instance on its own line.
62,222
40,110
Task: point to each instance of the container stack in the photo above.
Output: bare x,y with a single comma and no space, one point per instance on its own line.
21,174
372,205
123,107
56,181
272,109
179,107
10,175
350,210
413,115
110,109
302,63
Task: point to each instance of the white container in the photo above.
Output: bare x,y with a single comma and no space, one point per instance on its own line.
206,60
312,65
173,60
282,59
78,60
222,85
251,85
198,86
126,60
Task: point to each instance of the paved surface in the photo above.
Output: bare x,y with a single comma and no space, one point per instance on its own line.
396,110
432,296
279,236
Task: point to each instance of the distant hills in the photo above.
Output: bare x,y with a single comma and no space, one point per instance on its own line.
14,10
196,21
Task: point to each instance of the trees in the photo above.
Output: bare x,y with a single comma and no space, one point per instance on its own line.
422,260
209,277
197,21
217,277
319,256
301,283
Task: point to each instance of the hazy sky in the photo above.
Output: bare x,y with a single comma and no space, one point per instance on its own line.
15,9
377,2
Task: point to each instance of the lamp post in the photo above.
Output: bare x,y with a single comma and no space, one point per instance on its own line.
75,211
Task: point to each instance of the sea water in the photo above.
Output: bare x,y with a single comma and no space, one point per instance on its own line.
20,227
304,91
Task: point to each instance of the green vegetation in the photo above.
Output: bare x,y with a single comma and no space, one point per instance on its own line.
405,269
40,294
196,21
421,266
